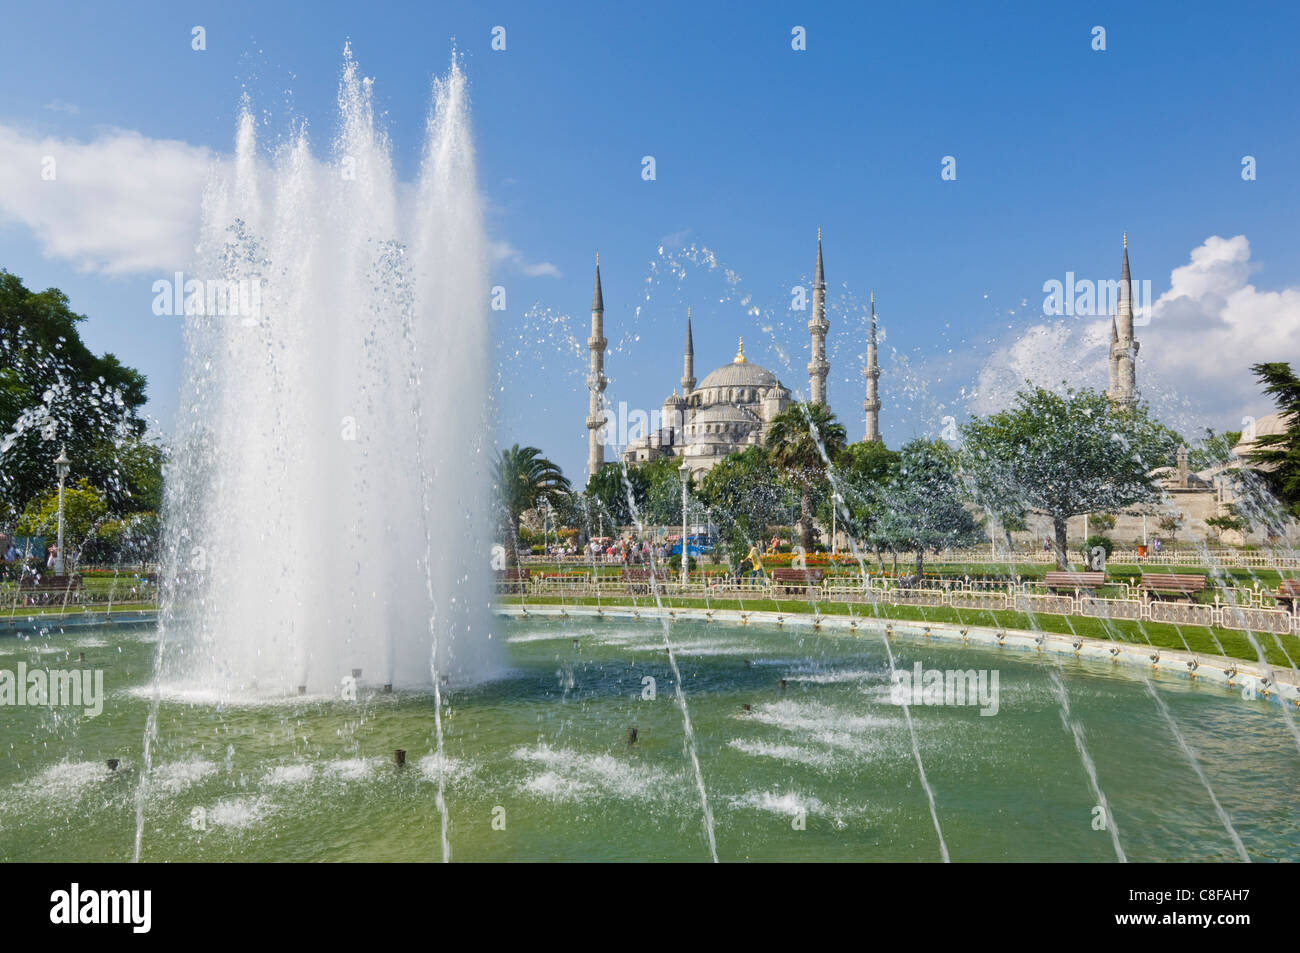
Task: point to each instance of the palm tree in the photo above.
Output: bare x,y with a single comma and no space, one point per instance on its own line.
800,441
524,478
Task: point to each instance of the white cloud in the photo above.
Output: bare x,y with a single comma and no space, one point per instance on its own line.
119,204
1195,356
505,252
59,106
124,203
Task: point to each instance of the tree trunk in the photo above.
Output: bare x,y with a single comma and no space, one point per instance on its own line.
1062,558
920,561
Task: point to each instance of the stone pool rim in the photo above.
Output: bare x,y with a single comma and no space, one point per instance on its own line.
1234,674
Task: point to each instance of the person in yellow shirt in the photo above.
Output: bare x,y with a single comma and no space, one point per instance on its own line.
755,561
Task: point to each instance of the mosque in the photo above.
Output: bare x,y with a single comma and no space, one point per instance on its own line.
733,406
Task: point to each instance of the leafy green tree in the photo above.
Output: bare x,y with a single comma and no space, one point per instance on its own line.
84,509
523,479
861,473
131,539
922,505
607,491
1276,457
1214,449
55,392
1236,519
800,442
1063,455
663,504
746,497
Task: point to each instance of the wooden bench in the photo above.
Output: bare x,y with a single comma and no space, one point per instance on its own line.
788,580
1288,592
638,580
1183,585
1074,580
513,581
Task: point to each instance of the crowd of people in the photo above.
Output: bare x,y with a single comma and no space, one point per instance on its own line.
628,550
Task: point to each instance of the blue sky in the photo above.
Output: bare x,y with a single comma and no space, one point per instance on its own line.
1059,148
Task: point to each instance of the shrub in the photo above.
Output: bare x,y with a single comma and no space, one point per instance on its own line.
1096,540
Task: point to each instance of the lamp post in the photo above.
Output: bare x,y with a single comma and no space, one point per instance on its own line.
685,472
62,466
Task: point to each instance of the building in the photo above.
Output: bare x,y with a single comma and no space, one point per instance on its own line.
735,404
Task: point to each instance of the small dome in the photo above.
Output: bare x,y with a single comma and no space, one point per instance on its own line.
725,414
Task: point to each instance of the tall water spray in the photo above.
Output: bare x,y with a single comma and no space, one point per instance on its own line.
327,502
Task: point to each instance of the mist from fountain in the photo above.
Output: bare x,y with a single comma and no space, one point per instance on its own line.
326,506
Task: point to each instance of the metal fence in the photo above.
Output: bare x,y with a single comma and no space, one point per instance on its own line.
1208,558
1239,608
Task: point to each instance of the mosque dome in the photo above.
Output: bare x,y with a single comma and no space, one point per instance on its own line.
722,424
1265,426
739,373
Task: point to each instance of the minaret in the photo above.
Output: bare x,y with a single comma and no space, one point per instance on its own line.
872,371
818,366
1123,348
1114,339
596,380
688,362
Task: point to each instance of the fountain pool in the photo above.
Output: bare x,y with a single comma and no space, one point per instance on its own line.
537,762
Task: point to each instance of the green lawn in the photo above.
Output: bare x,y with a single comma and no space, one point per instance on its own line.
1278,650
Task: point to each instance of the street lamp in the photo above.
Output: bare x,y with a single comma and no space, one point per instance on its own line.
62,466
684,472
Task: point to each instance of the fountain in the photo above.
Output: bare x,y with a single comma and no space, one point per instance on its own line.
322,507
326,501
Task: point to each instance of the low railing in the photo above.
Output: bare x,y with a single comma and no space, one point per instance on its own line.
1208,558
16,599
1234,607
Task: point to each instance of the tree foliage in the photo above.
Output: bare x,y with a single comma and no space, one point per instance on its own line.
523,479
55,392
84,509
1063,454
745,496
861,473
801,443
1277,456
921,505
608,490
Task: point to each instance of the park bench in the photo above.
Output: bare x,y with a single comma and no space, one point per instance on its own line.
47,590
1183,585
512,581
1074,580
1288,593
788,580
637,580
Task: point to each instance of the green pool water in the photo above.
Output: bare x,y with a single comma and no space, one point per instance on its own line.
538,766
